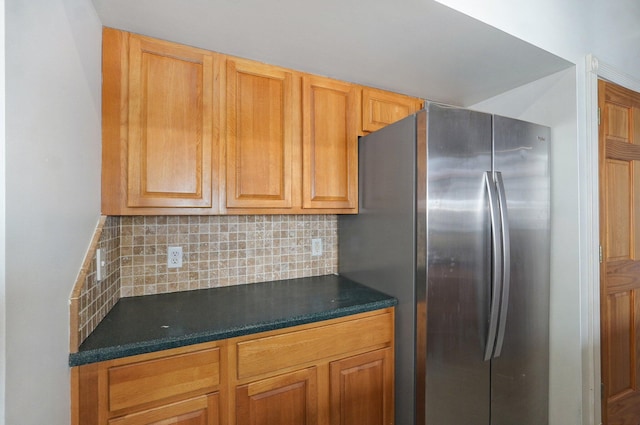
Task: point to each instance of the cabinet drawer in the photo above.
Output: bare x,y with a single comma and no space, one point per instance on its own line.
200,410
268,354
155,380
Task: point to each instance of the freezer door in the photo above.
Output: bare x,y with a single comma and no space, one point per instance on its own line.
520,375
458,256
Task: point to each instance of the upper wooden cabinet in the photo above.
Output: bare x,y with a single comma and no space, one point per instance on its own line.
186,131
166,156
330,143
381,108
260,134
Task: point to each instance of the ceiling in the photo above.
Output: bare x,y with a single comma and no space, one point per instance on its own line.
417,47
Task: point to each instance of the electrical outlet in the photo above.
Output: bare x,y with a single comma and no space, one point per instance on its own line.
100,263
174,257
316,247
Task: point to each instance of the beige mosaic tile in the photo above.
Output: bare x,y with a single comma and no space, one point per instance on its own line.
97,298
222,250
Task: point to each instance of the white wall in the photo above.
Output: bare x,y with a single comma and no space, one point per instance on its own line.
560,27
551,101
53,54
3,317
570,29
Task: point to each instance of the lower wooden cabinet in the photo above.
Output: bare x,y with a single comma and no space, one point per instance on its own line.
359,389
334,372
291,398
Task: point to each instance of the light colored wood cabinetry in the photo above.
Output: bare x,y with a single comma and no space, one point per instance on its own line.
202,410
260,135
330,143
160,122
192,132
325,373
358,388
291,398
337,371
178,386
381,108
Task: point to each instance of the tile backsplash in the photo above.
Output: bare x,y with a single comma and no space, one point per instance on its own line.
222,250
217,251
97,298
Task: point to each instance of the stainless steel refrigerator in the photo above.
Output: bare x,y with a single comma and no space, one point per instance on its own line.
454,222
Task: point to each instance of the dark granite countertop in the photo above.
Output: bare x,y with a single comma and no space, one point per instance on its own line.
144,324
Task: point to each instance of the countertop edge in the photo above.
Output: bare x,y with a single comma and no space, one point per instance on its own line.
115,352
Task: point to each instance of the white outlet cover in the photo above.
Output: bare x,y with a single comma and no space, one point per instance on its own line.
99,264
174,257
316,247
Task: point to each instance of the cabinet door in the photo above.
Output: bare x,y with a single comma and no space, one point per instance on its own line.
197,411
330,143
260,114
171,118
362,389
381,108
283,400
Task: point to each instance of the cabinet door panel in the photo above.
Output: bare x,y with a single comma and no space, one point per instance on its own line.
381,108
282,400
197,411
171,119
330,143
362,389
259,135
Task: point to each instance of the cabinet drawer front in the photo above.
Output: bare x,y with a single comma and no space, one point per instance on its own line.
264,355
203,410
156,380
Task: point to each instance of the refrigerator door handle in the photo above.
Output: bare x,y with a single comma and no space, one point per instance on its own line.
506,263
496,275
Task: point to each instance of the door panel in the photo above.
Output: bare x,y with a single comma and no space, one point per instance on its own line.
620,239
618,214
619,329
